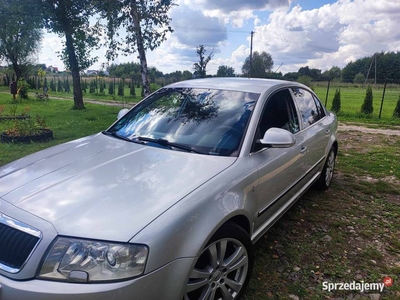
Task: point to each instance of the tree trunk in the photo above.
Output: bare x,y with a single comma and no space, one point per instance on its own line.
142,54
17,70
74,68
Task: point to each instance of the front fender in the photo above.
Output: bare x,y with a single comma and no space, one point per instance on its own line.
184,229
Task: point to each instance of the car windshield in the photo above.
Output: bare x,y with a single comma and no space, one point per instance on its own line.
197,120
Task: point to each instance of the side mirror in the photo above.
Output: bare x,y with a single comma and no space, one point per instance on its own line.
122,113
278,138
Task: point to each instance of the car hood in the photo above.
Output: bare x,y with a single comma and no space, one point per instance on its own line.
102,187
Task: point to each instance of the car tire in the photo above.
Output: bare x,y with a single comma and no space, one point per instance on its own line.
325,179
223,268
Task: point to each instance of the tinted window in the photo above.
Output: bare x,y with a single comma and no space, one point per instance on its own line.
309,111
320,108
209,121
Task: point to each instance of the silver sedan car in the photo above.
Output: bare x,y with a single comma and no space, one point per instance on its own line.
167,202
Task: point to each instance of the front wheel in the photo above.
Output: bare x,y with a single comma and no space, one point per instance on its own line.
223,269
324,181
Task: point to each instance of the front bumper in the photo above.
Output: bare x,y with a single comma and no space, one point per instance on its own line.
166,283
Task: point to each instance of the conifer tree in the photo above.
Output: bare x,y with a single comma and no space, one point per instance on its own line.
367,107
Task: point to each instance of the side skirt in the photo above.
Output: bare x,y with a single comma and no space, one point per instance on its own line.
267,225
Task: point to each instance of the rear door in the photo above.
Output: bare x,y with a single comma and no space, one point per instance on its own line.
314,133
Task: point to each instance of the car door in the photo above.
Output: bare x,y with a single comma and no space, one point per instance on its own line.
279,169
314,133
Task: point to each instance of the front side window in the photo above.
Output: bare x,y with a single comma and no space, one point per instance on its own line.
309,111
206,121
280,112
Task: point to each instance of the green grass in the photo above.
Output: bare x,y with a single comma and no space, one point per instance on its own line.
353,97
67,124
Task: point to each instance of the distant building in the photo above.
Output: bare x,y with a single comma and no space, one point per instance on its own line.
92,72
52,69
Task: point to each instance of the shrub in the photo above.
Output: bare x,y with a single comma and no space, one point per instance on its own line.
396,112
23,88
336,102
367,107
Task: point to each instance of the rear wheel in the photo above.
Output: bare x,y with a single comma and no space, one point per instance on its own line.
223,269
325,180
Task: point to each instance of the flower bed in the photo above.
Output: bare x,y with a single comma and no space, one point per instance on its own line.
41,135
10,118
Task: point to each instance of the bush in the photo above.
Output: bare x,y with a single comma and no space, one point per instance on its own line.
336,102
23,88
396,112
367,107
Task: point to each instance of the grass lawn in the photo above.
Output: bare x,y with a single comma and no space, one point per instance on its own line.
67,124
352,99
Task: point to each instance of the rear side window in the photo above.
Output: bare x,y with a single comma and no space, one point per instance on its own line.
310,109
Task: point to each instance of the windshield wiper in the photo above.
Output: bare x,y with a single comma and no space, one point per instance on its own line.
114,134
164,142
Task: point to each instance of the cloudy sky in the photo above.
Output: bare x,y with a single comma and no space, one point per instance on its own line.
315,33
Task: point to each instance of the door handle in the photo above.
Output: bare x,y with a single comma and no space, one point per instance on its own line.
328,131
303,150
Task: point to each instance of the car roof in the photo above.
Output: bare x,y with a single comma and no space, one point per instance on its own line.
251,85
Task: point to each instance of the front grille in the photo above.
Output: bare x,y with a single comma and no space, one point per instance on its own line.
16,243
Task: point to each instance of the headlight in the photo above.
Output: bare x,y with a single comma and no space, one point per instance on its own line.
78,260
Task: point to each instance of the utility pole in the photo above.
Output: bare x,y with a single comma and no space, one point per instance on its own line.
372,61
251,53
375,69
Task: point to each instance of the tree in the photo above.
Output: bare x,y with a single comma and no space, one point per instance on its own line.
334,72
200,67
20,33
225,71
132,91
70,20
315,74
396,112
336,103
367,107
291,76
146,23
262,63
111,88
120,88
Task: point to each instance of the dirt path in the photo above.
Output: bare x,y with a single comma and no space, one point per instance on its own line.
345,127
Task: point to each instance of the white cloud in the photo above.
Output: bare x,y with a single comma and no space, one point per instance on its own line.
333,34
